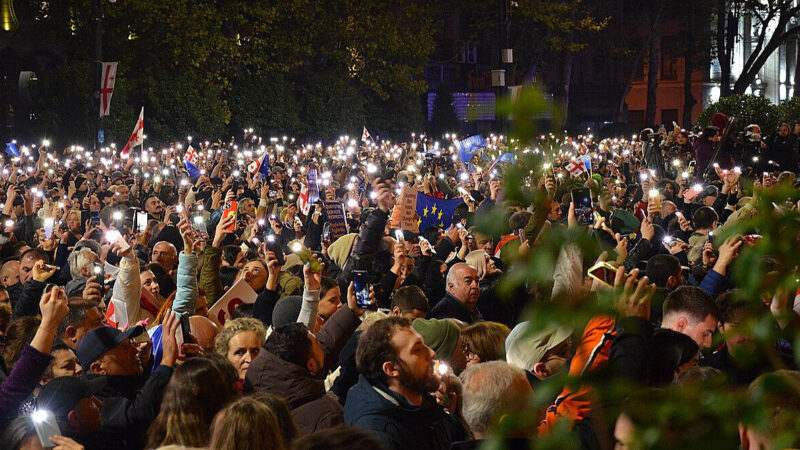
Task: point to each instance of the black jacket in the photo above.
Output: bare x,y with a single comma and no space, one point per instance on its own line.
397,424
128,411
312,409
450,308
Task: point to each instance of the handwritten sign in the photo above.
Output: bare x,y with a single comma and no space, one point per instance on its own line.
240,293
337,219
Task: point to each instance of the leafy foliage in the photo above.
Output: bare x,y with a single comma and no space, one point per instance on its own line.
747,109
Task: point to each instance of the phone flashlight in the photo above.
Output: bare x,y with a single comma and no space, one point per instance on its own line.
398,234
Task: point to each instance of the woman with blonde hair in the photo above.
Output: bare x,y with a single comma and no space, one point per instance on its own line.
484,341
246,424
240,342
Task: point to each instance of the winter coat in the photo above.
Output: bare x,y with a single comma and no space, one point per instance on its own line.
312,409
450,308
186,292
397,424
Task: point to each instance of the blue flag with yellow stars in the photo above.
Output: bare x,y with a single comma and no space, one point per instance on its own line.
435,212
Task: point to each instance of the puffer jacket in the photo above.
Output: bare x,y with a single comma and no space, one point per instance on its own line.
312,409
397,424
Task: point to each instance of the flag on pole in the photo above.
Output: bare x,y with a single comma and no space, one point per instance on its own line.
109,75
469,146
137,137
587,162
12,149
435,212
189,159
365,136
260,166
576,168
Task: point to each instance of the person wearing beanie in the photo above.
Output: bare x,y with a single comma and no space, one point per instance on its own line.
443,336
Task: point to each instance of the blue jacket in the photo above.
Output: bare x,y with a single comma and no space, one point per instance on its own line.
397,424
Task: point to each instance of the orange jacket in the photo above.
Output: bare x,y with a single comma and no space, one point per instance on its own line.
592,353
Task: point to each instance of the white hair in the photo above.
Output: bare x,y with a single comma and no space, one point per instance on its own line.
453,274
490,390
80,259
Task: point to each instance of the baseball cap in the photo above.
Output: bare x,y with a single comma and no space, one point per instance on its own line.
61,394
525,346
100,340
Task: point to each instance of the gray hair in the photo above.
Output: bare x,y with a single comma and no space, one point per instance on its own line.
492,389
79,259
453,273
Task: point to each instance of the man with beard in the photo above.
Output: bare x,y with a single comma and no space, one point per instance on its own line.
391,398
154,207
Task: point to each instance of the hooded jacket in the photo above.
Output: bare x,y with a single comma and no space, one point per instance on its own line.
397,424
312,409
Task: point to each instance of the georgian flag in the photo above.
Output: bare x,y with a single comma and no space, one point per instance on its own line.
365,136
189,159
137,137
107,80
260,166
576,168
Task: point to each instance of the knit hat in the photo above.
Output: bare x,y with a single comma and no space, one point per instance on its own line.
526,346
441,335
286,310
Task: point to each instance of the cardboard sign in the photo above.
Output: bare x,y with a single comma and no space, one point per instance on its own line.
407,211
240,293
337,219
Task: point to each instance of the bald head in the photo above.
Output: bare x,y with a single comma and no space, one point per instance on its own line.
9,273
165,255
204,331
462,284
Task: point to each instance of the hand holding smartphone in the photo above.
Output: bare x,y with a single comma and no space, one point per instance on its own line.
582,199
361,288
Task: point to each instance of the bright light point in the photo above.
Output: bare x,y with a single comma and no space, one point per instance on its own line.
117,215
352,203
297,247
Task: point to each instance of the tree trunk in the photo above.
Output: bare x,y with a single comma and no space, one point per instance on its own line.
652,82
566,85
688,68
722,55
796,92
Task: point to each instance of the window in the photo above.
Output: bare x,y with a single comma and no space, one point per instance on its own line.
636,119
669,60
668,116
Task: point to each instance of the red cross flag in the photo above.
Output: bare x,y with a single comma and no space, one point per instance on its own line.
137,137
109,75
576,168
365,136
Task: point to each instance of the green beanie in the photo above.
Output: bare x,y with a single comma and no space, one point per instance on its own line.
441,335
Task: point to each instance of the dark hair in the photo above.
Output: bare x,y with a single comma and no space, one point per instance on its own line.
338,438
704,217
17,431
519,220
230,252
326,285
290,343
669,350
58,346
197,390
409,298
662,266
692,300
281,410
375,348
75,317
710,131
37,255
18,335
730,308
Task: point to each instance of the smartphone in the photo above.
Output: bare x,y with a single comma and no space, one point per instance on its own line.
604,273
94,218
45,424
99,272
582,199
231,210
141,221
274,246
199,224
361,287
49,222
711,237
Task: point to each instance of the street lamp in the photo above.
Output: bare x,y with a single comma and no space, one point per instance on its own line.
8,20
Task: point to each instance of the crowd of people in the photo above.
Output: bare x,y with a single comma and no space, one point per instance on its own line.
124,325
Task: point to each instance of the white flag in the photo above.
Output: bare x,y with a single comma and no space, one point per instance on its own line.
109,76
137,137
365,135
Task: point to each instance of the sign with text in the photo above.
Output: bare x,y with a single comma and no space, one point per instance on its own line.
404,214
240,293
337,219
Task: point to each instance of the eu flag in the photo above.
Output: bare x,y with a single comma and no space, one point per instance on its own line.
469,146
12,149
435,212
